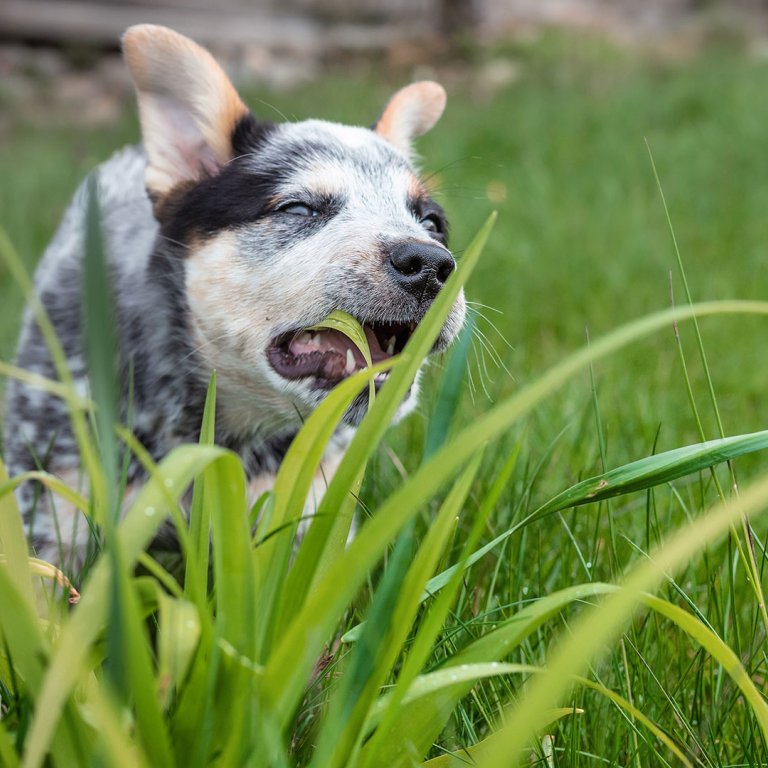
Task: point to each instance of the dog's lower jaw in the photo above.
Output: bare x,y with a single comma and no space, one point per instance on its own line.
358,408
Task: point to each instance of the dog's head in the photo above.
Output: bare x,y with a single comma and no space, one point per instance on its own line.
281,224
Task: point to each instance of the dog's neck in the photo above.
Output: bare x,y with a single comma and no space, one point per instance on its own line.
170,381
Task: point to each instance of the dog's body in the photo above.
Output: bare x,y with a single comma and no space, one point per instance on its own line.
227,238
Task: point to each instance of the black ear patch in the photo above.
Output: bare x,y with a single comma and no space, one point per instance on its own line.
238,194
249,133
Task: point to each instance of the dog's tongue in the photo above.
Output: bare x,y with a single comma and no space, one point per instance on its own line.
309,342
326,354
329,340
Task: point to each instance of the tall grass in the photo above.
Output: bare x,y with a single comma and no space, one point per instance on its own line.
548,572
245,667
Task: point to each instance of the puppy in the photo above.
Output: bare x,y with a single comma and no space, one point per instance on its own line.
227,237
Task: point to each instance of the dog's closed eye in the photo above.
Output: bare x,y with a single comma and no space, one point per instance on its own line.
298,209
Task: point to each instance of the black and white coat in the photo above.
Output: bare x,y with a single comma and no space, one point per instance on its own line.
227,238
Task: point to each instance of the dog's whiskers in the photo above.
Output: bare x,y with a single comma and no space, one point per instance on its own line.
483,375
484,350
473,307
488,347
175,242
471,382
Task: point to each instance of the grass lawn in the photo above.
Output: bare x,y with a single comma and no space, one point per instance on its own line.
581,246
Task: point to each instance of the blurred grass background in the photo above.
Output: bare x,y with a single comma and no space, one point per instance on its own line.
581,246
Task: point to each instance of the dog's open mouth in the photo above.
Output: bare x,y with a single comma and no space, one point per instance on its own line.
329,356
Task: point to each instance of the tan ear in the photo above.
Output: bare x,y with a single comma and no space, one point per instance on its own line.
413,110
187,106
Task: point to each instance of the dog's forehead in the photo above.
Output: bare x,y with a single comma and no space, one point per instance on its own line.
349,137
317,150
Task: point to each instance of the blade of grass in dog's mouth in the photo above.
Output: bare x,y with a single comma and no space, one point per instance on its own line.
344,323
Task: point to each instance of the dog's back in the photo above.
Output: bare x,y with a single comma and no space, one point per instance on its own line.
37,425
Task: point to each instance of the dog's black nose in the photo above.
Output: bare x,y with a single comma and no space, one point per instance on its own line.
421,268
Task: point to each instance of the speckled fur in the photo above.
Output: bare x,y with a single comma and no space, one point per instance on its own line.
205,278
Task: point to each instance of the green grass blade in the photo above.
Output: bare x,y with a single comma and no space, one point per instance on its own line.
21,631
386,631
656,470
70,662
426,685
298,468
446,686
46,385
637,715
8,756
100,343
178,635
438,681
118,749
368,666
129,656
450,391
155,473
452,575
469,755
13,542
29,653
458,667
49,481
193,720
394,724
424,564
505,637
418,726
689,299
344,323
591,632
128,665
461,676
236,608
276,531
499,642
303,640
719,650
196,565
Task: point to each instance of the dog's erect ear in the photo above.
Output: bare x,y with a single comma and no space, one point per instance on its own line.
187,106
413,110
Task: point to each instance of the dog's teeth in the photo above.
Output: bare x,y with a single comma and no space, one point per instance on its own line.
391,346
305,338
350,362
